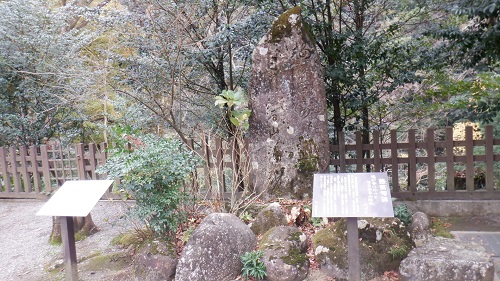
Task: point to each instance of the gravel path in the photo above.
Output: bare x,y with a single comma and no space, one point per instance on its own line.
24,247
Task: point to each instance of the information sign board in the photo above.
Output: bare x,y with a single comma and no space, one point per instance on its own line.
75,198
351,195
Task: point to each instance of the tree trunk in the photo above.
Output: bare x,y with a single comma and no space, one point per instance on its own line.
84,226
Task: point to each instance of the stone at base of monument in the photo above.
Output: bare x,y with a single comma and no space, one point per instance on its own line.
447,259
420,228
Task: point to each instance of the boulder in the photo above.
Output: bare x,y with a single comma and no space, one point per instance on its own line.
288,134
447,259
155,262
384,242
285,256
268,218
420,228
213,252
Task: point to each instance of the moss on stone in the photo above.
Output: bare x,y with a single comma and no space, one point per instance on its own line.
308,156
295,257
333,237
308,164
126,239
295,236
383,244
55,241
80,236
282,27
113,261
440,228
269,214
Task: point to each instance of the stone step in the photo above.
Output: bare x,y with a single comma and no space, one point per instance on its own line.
489,240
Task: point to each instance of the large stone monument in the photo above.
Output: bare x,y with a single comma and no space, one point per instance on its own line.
288,135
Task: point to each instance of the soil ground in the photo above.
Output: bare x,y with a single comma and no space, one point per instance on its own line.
27,255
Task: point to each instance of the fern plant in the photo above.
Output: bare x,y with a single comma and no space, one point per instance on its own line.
253,266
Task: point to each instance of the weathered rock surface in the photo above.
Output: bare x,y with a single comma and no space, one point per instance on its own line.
213,252
383,244
153,262
447,259
288,134
268,218
420,228
285,256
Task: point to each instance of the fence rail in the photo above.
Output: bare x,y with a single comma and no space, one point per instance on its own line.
422,166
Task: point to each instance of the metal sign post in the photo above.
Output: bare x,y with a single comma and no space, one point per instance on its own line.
73,199
68,240
353,249
352,195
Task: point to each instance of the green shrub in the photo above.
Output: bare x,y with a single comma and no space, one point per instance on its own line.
252,265
152,169
402,212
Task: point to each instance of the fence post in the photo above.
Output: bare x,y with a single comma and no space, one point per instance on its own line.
92,160
394,161
80,160
412,161
343,166
376,151
469,159
450,161
5,172
35,169
359,152
431,167
103,154
23,155
490,172
45,168
13,167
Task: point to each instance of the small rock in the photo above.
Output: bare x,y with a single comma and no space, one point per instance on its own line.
268,218
285,254
152,262
420,228
214,250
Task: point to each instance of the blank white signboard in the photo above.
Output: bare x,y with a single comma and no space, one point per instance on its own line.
75,198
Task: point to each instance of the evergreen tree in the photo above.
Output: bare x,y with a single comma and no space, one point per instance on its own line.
41,75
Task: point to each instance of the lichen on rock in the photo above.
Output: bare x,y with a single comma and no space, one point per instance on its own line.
285,254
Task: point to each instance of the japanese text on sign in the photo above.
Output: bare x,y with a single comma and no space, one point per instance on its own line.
352,195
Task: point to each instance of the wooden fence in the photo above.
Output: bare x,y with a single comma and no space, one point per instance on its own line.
36,171
420,166
429,166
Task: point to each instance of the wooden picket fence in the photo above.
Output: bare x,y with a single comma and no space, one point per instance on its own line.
426,168
420,166
36,171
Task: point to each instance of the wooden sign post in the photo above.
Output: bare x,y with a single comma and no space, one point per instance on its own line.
352,195
73,199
